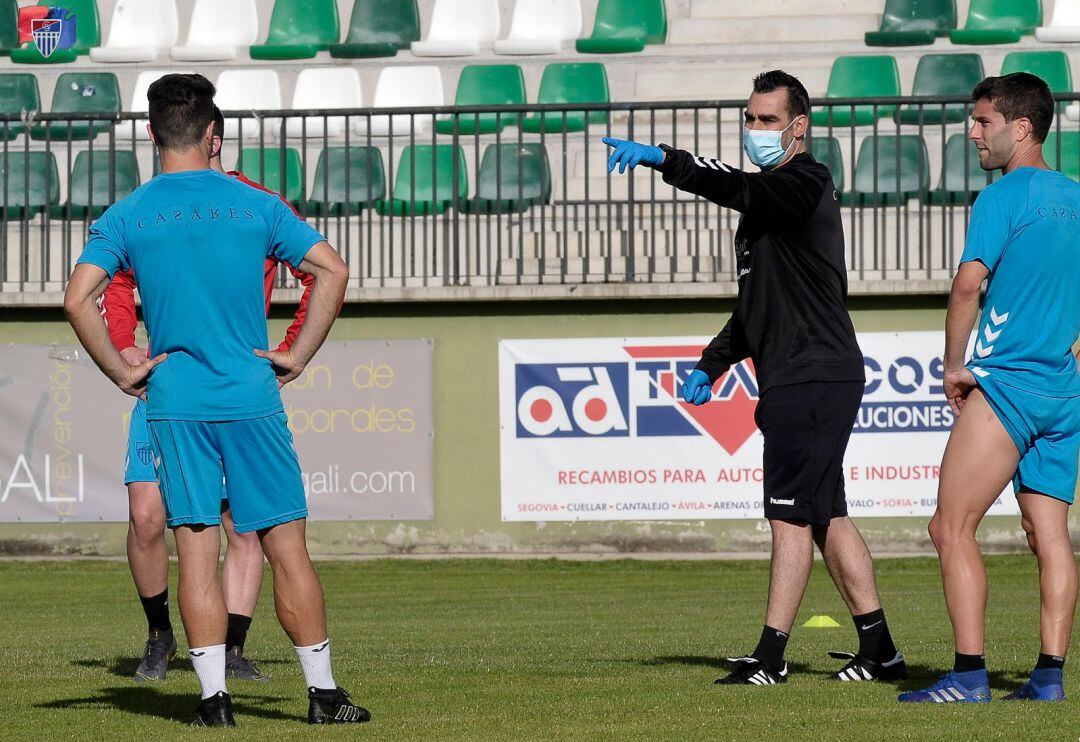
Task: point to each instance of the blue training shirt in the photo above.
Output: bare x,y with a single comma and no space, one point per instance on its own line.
197,242
1025,229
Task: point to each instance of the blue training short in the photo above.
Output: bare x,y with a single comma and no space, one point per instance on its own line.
1046,431
139,466
255,457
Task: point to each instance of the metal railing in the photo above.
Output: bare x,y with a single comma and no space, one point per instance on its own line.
422,200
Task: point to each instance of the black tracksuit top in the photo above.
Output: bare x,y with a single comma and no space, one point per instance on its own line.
791,316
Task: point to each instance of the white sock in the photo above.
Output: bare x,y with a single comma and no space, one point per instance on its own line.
315,662
209,665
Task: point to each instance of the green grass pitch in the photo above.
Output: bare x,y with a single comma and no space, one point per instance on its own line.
512,650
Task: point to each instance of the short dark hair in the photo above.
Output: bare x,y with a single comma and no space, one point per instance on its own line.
219,123
798,100
1020,95
181,106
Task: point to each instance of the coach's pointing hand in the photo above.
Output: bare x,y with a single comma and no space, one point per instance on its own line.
286,367
631,154
133,380
697,389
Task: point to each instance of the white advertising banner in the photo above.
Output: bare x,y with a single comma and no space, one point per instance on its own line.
596,429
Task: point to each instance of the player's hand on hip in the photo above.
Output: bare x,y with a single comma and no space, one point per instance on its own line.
958,385
627,154
135,355
134,382
697,389
286,367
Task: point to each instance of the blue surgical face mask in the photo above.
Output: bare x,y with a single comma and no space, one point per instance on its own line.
763,146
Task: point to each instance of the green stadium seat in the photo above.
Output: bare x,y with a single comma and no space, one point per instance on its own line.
379,28
827,151
346,183
18,93
33,183
1062,152
1051,66
9,26
901,172
87,34
483,85
962,178
512,178
81,92
570,83
913,22
998,22
299,29
625,26
424,183
942,74
859,77
90,193
282,175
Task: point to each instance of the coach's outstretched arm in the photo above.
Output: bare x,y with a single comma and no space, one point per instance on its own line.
787,195
328,292
86,285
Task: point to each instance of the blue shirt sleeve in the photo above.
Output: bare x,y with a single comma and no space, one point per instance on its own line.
290,236
989,230
105,247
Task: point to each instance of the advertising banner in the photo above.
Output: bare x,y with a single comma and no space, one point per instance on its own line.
361,416
596,429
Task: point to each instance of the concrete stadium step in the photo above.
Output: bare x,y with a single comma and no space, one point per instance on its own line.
711,80
780,10
849,27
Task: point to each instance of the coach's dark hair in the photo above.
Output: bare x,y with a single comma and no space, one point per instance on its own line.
1020,95
798,100
181,107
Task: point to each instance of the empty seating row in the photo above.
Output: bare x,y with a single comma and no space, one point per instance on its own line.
141,30
876,76
511,178
326,88
891,169
914,22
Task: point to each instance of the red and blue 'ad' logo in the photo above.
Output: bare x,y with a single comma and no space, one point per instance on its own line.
640,397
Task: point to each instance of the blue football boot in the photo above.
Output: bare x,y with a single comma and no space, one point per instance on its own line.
953,687
1044,685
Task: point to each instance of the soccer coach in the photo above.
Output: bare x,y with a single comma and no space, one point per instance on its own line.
791,320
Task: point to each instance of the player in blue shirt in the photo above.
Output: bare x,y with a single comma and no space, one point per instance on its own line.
1017,399
197,241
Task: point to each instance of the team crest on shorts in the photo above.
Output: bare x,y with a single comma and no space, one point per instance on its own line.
145,453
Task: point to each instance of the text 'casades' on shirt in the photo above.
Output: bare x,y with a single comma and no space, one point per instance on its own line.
1025,229
197,242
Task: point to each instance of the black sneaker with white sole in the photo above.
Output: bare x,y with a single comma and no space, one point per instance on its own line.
160,649
215,711
861,669
749,671
334,706
239,667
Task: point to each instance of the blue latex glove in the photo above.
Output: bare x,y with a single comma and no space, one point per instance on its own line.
631,154
697,389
